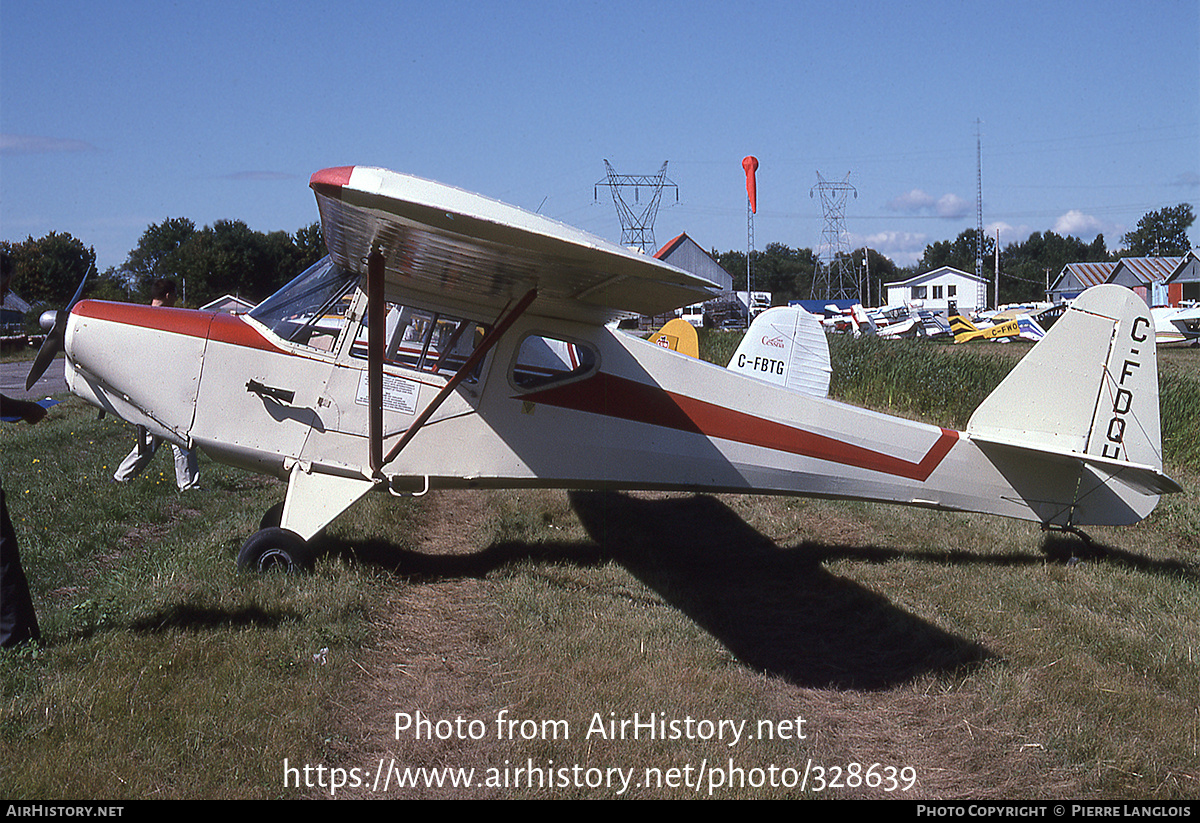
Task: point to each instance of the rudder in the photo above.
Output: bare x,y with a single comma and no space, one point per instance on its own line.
1088,391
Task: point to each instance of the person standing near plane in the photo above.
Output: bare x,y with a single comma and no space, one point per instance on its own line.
18,620
187,474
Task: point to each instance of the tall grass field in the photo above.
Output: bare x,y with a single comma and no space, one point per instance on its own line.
544,644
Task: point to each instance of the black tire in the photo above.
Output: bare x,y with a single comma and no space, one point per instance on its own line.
272,517
275,549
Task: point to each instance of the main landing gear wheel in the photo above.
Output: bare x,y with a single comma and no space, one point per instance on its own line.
272,517
275,549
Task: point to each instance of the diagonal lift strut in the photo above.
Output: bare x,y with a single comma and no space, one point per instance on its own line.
376,331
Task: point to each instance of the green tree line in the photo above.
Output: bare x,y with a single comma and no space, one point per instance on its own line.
1026,268
230,258
225,258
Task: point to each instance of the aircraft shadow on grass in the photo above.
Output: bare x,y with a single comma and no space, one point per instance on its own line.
776,609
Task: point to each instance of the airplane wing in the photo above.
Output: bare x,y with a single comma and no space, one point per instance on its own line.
1187,322
454,245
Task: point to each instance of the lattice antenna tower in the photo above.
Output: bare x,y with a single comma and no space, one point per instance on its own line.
835,279
981,289
637,226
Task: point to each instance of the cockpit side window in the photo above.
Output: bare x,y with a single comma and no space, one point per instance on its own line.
310,310
546,361
424,340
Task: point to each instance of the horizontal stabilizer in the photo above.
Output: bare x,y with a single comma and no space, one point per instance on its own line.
1146,479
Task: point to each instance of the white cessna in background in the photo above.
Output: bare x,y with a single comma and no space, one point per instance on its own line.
452,341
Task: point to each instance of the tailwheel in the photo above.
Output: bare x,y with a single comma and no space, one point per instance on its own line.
1069,529
275,549
1070,545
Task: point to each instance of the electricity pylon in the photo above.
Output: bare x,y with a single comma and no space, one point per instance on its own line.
637,228
834,279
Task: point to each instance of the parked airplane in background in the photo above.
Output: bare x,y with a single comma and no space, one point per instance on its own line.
1175,324
452,341
964,330
1028,324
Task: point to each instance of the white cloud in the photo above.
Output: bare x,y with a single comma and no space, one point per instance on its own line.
1077,223
37,144
901,247
951,206
1085,226
1008,232
916,201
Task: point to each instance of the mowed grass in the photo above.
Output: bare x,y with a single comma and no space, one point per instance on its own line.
524,627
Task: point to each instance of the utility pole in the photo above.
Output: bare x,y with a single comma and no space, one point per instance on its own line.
637,227
997,267
867,272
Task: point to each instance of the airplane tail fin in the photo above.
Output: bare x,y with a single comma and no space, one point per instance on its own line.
1062,401
678,335
862,321
786,345
962,328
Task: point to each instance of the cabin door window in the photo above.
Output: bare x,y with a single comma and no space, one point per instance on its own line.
425,341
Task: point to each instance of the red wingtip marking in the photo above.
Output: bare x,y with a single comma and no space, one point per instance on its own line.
333,178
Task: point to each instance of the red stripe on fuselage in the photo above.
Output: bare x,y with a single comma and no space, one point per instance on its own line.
630,400
224,328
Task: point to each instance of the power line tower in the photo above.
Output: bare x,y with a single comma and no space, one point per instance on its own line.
834,279
637,227
981,289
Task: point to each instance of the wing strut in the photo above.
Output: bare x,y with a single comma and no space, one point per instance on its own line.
376,331
375,366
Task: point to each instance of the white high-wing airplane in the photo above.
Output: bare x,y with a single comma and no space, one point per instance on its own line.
452,341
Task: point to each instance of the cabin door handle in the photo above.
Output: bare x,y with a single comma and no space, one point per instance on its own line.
282,395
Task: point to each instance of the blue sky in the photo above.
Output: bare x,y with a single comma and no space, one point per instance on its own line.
118,115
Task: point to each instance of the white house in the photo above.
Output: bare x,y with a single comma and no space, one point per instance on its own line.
945,290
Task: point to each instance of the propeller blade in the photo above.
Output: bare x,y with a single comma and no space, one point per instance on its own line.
78,293
51,346
53,343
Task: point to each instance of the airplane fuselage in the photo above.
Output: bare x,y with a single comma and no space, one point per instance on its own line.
613,412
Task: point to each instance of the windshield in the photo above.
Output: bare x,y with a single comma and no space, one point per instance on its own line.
311,309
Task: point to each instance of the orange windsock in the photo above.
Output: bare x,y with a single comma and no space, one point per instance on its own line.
750,164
